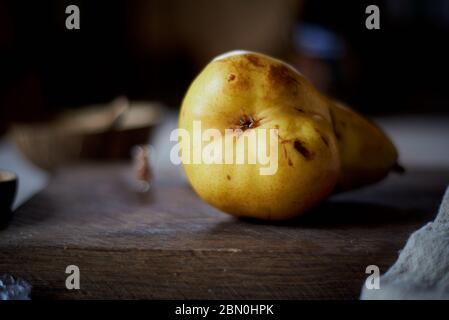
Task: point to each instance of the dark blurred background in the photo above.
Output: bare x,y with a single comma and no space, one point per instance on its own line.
152,49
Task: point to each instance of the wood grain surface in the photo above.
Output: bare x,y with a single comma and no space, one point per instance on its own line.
168,244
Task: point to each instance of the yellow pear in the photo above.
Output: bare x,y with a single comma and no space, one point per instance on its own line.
366,153
244,94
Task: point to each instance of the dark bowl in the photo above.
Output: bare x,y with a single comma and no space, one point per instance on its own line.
8,188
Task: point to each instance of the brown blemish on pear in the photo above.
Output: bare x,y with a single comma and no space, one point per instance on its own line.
282,140
238,83
301,148
323,138
254,60
281,75
231,77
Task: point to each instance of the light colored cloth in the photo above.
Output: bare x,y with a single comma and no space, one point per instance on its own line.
422,269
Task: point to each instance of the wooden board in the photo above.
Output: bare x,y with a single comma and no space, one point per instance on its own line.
168,244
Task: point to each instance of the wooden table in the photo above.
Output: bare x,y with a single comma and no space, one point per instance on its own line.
168,244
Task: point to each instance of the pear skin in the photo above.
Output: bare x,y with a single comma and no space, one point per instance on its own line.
322,145
246,91
367,155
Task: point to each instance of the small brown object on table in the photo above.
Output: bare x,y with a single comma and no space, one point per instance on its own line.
168,244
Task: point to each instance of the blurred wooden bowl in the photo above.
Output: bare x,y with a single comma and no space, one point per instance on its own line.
95,132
